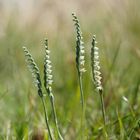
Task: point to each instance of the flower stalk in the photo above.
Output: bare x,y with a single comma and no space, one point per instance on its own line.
97,74
37,80
48,86
80,61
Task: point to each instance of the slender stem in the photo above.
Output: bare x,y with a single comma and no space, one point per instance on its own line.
55,116
46,118
48,90
83,104
81,90
103,106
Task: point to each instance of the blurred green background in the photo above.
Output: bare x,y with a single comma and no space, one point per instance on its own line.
116,24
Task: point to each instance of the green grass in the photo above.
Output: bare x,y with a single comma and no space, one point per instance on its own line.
118,33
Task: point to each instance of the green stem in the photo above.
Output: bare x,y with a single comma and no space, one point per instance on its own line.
83,105
55,116
46,118
103,114
81,90
48,90
103,106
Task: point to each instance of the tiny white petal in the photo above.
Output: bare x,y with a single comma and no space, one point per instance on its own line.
97,72
82,43
96,48
98,77
50,76
82,47
82,70
96,62
48,61
125,99
47,51
47,56
96,57
82,58
97,67
49,71
82,51
82,62
50,82
99,88
49,66
96,53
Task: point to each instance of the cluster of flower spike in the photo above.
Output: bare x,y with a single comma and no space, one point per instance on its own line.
95,65
80,59
34,70
47,68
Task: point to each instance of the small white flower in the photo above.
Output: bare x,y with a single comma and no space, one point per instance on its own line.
80,59
125,99
47,68
95,65
34,70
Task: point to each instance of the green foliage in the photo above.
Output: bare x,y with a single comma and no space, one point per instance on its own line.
117,28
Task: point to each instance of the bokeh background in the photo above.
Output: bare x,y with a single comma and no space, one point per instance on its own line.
116,24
